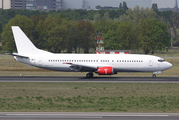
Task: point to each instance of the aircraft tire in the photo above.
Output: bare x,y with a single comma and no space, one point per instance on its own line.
89,75
154,76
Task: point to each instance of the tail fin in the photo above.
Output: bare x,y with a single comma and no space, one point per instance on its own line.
23,43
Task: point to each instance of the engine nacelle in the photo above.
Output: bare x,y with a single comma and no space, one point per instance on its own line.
105,70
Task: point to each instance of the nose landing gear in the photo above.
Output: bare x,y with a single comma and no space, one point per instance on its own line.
154,76
157,72
89,75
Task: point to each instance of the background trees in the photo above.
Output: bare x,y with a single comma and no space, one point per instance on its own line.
7,37
135,15
72,30
86,35
127,36
152,35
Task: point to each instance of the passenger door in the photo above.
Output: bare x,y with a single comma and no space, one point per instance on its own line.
40,61
150,62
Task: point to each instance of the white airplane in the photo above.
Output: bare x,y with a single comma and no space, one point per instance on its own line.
102,64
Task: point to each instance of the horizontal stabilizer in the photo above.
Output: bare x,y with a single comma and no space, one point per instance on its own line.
15,54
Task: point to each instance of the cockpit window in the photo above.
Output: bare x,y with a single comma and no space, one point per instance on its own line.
161,60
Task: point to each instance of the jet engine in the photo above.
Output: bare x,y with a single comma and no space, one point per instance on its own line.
105,70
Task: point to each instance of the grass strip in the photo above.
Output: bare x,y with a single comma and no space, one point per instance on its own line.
89,97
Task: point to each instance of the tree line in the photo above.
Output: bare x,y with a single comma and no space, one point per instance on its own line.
72,30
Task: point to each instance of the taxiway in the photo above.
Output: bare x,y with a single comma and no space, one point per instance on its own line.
84,79
87,116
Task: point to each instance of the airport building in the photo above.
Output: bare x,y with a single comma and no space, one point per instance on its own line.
18,4
44,5
13,4
47,5
5,4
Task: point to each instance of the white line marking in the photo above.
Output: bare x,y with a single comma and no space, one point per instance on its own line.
137,115
87,115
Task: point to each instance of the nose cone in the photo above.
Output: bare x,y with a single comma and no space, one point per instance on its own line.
169,65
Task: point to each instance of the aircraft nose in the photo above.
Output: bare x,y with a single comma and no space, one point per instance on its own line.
169,65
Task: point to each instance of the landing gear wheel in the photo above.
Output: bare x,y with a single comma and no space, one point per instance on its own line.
154,76
89,75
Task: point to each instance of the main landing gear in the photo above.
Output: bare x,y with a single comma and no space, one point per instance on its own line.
154,76
89,75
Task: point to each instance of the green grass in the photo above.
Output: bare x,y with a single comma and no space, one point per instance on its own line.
89,97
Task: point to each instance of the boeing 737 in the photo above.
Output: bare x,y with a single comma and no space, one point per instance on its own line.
102,64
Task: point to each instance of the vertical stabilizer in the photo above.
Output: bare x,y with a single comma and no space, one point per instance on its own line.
23,43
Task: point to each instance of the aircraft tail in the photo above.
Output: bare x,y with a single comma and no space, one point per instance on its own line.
23,43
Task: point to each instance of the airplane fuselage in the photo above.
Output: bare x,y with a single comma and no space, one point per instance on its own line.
120,63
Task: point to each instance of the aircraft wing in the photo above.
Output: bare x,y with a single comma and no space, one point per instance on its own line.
82,67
